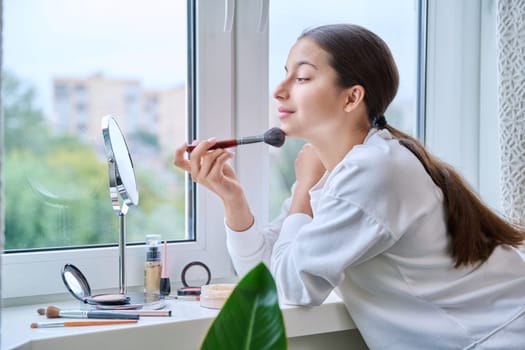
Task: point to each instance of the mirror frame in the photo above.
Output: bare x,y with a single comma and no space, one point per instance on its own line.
119,163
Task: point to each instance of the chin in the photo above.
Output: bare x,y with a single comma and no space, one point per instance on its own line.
288,130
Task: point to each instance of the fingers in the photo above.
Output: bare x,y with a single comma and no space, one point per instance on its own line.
202,161
195,158
211,166
180,161
215,171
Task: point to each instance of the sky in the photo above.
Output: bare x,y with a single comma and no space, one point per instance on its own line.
120,38
125,39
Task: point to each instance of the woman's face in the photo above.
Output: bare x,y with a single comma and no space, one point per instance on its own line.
310,103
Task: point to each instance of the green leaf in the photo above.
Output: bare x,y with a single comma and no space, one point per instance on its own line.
251,317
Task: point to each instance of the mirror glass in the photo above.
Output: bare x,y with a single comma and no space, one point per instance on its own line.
75,282
121,172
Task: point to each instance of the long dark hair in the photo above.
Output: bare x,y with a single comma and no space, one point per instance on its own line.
360,57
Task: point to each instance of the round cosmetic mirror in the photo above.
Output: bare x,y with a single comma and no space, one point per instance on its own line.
122,184
77,284
121,172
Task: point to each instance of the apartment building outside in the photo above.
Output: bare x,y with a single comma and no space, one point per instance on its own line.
152,120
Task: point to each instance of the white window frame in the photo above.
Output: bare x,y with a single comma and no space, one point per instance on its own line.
461,94
228,46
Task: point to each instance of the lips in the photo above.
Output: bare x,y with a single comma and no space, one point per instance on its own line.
284,112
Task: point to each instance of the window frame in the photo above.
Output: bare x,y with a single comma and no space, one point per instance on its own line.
27,275
461,92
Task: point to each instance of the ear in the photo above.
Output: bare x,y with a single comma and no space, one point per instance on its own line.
354,97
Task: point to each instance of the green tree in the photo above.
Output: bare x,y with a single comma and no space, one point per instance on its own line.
24,124
56,186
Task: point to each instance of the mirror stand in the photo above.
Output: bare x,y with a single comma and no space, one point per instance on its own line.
122,250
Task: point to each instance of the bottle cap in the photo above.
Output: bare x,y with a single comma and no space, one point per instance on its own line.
152,248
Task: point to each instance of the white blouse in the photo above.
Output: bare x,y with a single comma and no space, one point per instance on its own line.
378,236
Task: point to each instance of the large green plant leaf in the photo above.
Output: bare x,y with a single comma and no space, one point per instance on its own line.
251,317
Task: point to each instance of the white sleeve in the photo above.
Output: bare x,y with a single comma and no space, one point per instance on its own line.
310,255
248,248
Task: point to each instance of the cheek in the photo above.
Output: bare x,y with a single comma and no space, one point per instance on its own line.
319,104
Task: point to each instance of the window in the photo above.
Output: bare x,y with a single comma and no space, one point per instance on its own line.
400,33
105,63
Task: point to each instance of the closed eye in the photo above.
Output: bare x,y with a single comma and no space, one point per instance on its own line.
302,80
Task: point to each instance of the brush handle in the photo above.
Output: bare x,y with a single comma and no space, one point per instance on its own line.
149,313
232,142
113,315
97,314
97,323
80,323
218,144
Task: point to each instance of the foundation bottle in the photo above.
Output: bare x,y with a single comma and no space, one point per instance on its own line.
152,268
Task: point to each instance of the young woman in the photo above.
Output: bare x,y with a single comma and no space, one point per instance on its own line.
418,259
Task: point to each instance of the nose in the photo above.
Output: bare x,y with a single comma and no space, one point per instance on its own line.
281,91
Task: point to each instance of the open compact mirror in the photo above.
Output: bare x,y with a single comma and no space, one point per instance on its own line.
77,284
122,184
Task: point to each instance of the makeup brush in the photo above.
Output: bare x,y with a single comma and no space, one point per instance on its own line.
274,137
147,313
80,323
165,287
55,312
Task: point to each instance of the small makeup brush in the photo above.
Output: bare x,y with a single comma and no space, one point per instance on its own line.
55,312
148,313
165,285
274,137
80,323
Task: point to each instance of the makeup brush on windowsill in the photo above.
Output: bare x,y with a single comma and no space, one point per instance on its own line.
80,323
274,137
55,312
141,313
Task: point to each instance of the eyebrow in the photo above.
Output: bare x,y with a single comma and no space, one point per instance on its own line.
300,63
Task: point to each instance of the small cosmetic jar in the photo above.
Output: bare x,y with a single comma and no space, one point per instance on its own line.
213,296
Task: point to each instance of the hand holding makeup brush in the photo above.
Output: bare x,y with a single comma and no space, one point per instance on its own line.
211,169
273,137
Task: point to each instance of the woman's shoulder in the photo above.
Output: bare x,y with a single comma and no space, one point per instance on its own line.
378,167
386,181
380,157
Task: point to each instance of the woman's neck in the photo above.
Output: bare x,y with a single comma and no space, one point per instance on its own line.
332,150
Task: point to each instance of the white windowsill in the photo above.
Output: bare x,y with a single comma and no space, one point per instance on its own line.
185,329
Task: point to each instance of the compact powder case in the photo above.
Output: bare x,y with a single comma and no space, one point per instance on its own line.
192,290
77,284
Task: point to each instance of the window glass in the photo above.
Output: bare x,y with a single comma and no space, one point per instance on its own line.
66,65
400,31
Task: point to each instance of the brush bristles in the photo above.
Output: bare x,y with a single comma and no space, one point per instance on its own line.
41,311
52,312
274,137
